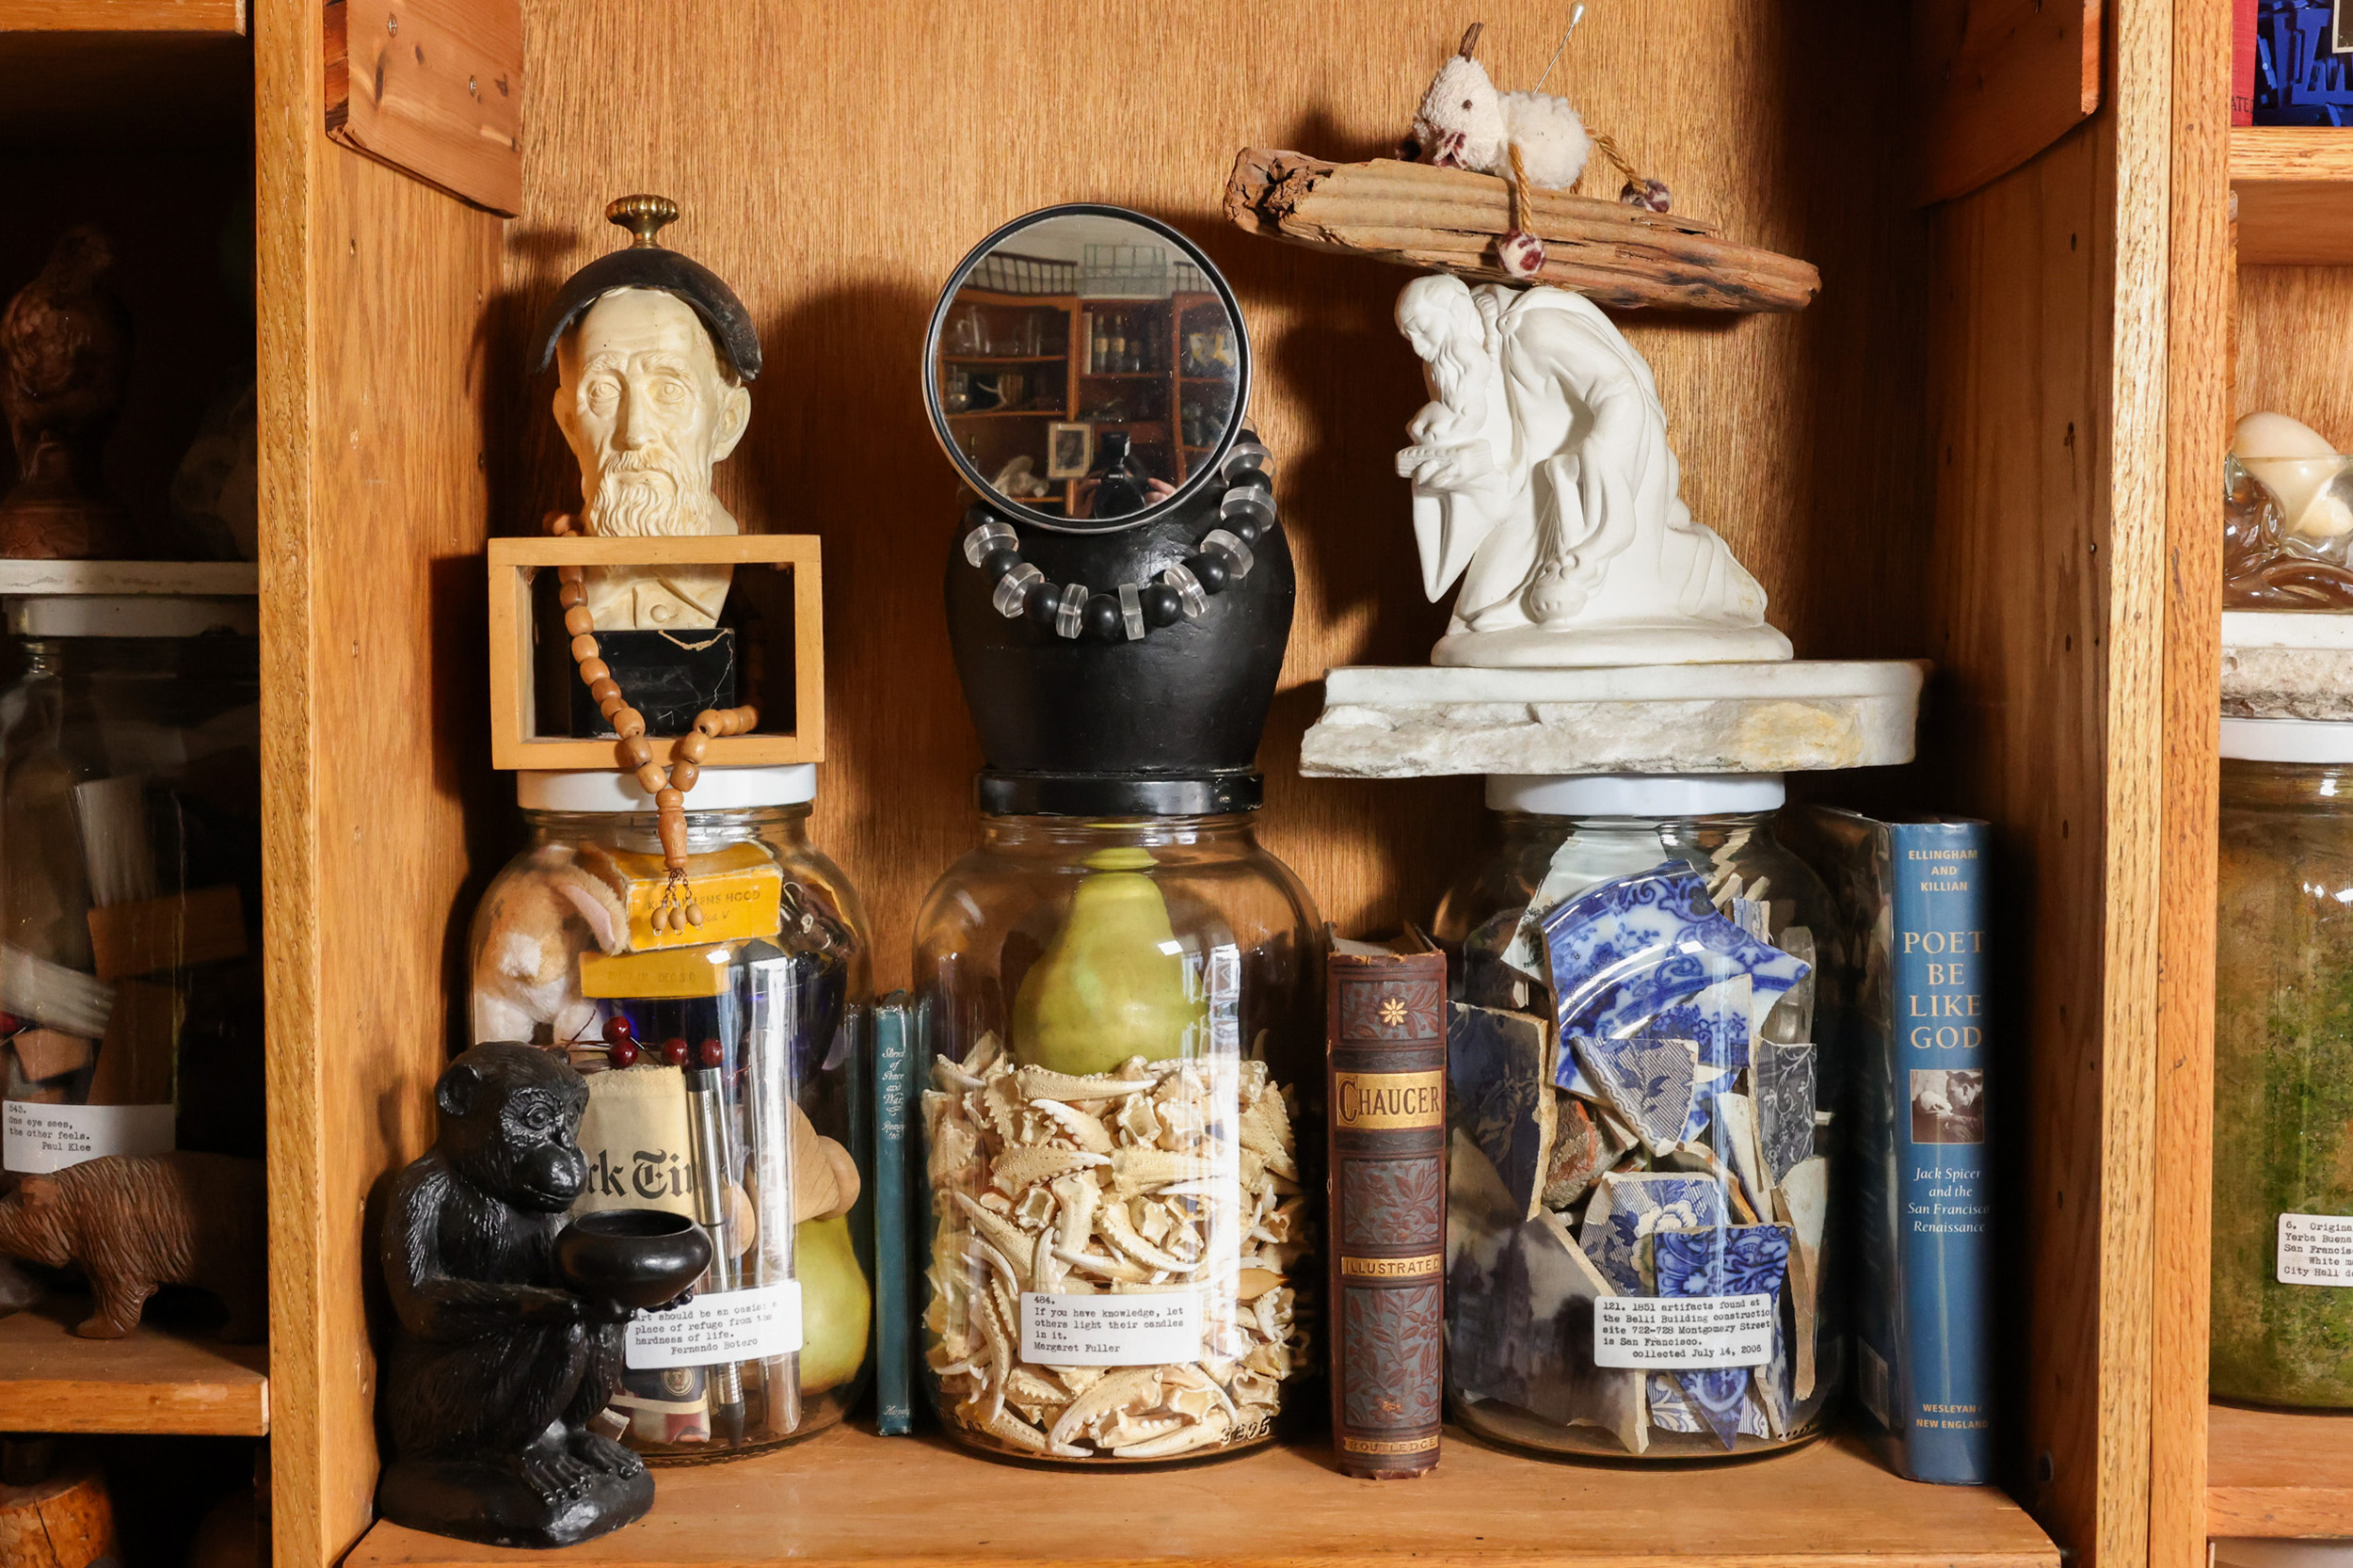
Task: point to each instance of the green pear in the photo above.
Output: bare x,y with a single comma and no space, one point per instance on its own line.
836,1305
1112,985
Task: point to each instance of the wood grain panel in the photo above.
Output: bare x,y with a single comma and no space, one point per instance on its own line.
2003,79
2292,183
848,1498
221,17
164,1378
2274,1472
433,88
2047,400
1800,435
2198,414
375,746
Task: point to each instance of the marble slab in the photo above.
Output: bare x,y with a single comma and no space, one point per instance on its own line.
1411,722
2287,664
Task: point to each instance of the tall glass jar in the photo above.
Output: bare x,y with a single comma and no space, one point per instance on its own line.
1124,1137
726,1081
130,881
1527,1228
2283,1260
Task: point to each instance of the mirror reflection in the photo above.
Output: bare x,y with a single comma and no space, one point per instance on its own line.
1087,366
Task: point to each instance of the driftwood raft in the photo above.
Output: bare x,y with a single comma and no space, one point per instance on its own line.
1448,219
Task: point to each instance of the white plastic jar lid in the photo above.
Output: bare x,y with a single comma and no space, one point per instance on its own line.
129,616
2288,740
716,789
1653,795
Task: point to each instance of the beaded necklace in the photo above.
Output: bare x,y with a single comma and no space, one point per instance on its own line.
677,909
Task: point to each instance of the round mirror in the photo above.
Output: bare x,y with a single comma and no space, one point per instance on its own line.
1087,368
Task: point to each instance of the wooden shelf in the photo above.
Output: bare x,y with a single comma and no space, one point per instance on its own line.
2270,1472
159,1380
851,1497
124,73
1002,358
2294,195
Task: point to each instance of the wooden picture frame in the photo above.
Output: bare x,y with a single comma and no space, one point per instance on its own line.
514,717
1056,467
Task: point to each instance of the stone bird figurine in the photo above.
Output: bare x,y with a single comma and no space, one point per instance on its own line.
65,355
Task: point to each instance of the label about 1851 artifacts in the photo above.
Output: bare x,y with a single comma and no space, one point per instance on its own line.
1110,1331
1683,1333
2316,1249
37,1138
722,1325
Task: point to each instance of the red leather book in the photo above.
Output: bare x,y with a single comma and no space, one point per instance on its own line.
1386,1193
2242,62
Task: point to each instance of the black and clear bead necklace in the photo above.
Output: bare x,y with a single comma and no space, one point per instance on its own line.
1245,514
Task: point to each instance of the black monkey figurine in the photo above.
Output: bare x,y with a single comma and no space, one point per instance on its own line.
496,1369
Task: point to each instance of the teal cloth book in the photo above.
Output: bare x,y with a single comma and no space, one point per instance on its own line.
898,1068
1914,953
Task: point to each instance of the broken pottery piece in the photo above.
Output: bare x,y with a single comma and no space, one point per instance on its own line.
1782,1081
1801,1203
1733,1136
1623,951
1670,1411
1480,1214
1487,979
1582,861
1733,1260
1649,1079
1584,1144
1564,1385
1626,1209
1499,1089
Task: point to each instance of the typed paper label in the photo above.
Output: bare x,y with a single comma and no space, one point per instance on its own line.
38,1139
725,1325
1683,1333
1110,1331
2316,1249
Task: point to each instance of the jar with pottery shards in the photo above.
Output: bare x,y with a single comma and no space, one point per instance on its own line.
725,1071
1123,988
1643,1127
2283,1258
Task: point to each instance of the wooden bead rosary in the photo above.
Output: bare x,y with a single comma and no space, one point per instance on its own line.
677,909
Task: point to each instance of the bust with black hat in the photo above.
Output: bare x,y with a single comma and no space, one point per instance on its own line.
653,354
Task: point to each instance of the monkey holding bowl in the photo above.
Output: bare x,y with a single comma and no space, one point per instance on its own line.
497,1368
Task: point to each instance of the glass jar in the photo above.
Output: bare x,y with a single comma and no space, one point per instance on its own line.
726,1081
130,881
1124,1137
2282,1317
1540,1178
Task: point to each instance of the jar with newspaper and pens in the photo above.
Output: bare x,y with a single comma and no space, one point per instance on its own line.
723,1061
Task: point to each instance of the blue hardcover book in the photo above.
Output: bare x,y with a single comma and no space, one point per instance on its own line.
1913,953
898,1066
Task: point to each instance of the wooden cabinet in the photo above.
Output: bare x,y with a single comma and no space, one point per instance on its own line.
1992,443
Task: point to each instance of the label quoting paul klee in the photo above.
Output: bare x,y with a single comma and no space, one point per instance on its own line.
1683,1333
38,1139
722,1325
2316,1249
1110,1331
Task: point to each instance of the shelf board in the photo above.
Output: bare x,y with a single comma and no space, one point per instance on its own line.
162,1379
1002,358
2294,188
78,73
850,1498
2272,1472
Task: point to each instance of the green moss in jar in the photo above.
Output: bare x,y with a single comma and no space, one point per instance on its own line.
2284,1078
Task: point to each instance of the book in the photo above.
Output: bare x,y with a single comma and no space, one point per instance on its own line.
1912,954
2242,62
1385,1195
898,1064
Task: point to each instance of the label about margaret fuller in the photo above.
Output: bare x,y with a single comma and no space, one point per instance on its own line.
1110,1331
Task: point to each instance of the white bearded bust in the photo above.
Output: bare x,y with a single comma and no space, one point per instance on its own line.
650,409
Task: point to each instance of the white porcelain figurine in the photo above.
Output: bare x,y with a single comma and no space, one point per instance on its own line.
1543,480
649,409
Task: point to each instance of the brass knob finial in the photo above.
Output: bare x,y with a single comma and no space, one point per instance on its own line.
642,216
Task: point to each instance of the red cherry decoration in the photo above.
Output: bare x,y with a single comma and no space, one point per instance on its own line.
622,1053
617,1029
675,1051
713,1054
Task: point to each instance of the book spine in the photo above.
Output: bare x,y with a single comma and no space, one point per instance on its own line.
1387,1196
2242,62
1943,1248
896,1064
